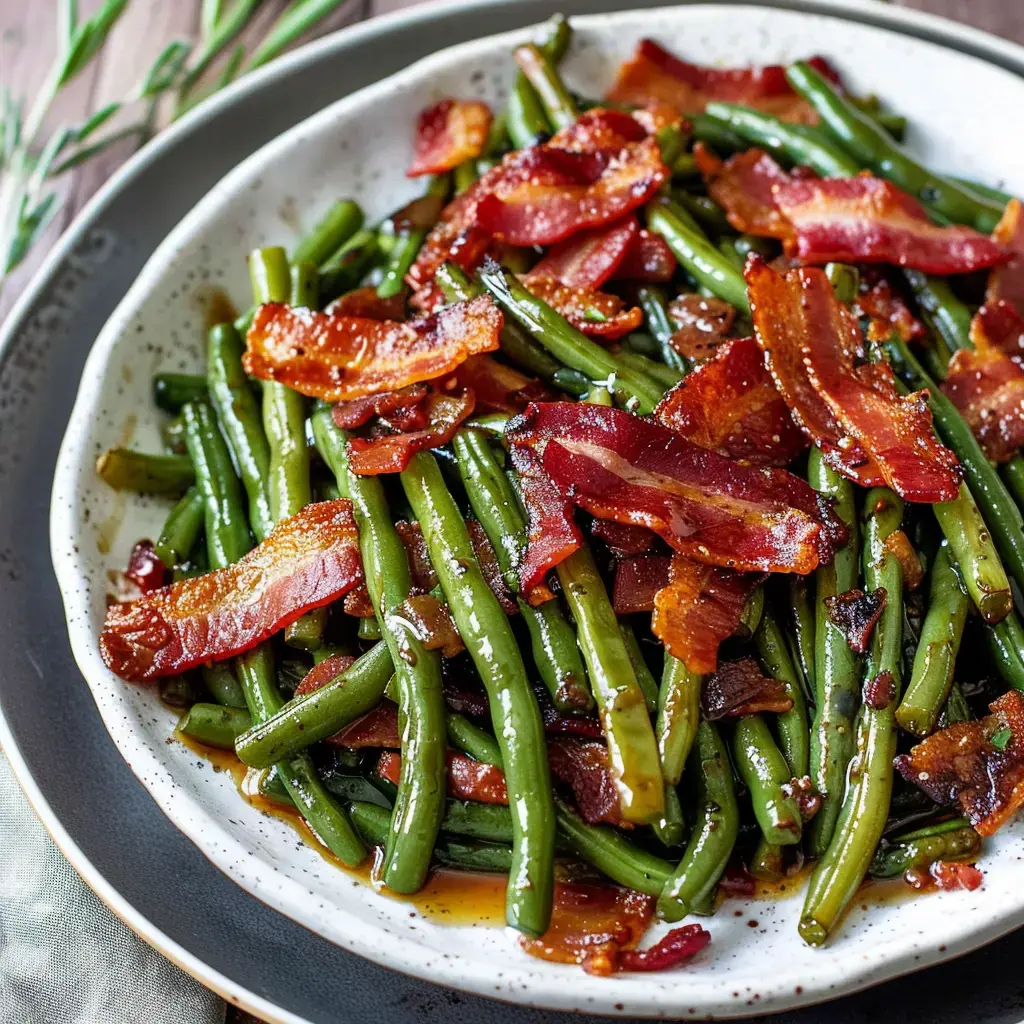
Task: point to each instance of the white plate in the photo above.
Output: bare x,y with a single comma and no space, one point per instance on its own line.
959,109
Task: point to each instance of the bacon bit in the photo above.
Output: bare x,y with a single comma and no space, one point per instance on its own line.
702,324
462,698
951,875
898,545
145,570
1006,283
359,411
744,187
998,325
582,765
619,466
423,576
601,129
701,606
390,453
588,259
499,387
880,691
562,723
807,797
653,75
467,779
638,581
730,405
648,259
854,614
366,303
338,358
447,134
848,406
309,560
885,308
431,623
597,314
358,604
320,675
961,766
736,882
740,688
623,540
376,729
489,567
675,948
869,220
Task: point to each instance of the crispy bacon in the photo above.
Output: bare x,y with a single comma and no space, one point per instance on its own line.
423,575
601,129
566,723
623,540
740,688
145,570
730,404
431,623
671,950
308,560
619,466
376,729
998,325
366,303
390,453
589,258
320,675
653,75
952,875
879,691
977,766
597,314
582,765
499,387
848,406
1007,281
885,308
854,613
987,386
638,582
338,358
869,220
447,134
467,779
359,411
698,609
702,324
357,603
648,259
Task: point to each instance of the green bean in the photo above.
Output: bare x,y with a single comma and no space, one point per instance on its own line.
356,787
716,133
314,716
632,748
836,667
865,809
750,618
704,210
1013,476
349,265
172,390
127,470
338,225
485,631
678,717
697,255
948,317
214,725
644,679
765,773
802,618
661,375
1006,646
685,166
670,828
553,640
239,419
468,737
766,863
957,709
995,195
177,691
937,648
465,176
369,629
555,98
181,529
652,302
791,726
956,841
873,147
407,246
845,281
798,143
172,434
567,344
526,120
714,835
490,822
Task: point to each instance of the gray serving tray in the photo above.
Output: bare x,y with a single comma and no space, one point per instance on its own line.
100,815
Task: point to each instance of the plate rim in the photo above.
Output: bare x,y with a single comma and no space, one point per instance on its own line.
934,28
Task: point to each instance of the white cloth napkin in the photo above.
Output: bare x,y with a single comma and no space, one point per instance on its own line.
65,958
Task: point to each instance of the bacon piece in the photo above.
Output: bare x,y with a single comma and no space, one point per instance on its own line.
671,950
648,259
623,540
460,693
357,603
376,729
320,675
601,129
740,688
744,187
145,570
338,358
1006,283
619,466
653,75
869,220
699,608
432,624
951,875
848,406
499,387
564,723
589,258
597,314
582,765
366,303
423,575
638,582
998,325
730,405
467,779
702,324
885,308
447,134
899,546
854,613
977,766
987,386
489,567
309,560
359,411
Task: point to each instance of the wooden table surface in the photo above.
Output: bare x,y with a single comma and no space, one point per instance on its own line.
27,43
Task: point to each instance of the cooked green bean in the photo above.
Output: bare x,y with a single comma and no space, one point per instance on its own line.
952,840
678,717
214,725
407,246
1006,646
127,470
765,773
652,302
791,726
181,529
644,679
556,100
172,390
338,225
802,621
526,120
468,737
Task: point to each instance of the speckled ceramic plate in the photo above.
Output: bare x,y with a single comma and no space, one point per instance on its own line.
958,106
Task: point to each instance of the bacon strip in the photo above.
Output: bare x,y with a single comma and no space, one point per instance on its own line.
366,303
648,259
998,325
1007,281
730,405
359,411
338,358
308,560
638,581
594,313
499,387
987,386
589,258
700,607
849,407
702,324
447,134
619,466
885,308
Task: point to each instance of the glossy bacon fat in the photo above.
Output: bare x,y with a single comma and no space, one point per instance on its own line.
308,560
338,358
848,406
449,133
619,466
